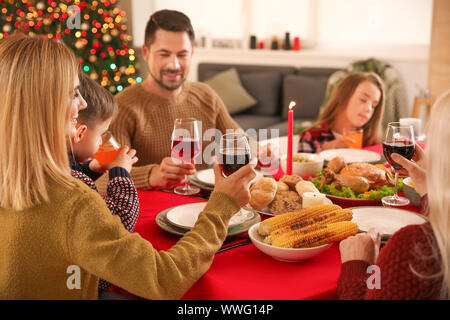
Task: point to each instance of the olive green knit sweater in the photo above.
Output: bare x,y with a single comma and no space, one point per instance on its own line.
41,249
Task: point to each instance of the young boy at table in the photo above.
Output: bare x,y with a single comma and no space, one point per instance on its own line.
357,102
93,122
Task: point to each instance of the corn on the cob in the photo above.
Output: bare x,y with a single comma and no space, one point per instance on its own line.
278,238
316,235
283,220
328,217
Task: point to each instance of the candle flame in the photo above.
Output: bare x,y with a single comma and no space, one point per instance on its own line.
292,105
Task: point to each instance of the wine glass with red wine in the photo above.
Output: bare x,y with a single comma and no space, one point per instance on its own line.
234,152
399,139
186,145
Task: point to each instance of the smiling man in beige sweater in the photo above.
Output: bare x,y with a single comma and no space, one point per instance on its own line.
147,110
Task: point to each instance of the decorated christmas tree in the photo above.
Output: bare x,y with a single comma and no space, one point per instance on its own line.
94,30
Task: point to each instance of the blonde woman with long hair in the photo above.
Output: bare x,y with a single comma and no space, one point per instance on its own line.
357,102
58,236
414,264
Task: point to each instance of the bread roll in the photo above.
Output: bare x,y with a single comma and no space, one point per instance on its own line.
305,186
282,186
291,180
262,193
285,201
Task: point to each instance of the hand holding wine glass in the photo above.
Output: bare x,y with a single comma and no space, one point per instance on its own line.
168,173
185,146
237,184
234,152
398,139
415,171
418,158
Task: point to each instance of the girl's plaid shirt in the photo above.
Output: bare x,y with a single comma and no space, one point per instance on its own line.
311,140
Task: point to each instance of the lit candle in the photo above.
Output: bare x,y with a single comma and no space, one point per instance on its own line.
290,137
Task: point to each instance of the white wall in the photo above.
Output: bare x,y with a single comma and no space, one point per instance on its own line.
321,22
270,18
141,10
220,19
374,22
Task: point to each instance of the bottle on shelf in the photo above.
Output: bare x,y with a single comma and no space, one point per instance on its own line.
274,45
253,42
287,41
297,45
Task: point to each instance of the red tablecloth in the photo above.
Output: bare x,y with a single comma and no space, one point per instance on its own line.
245,272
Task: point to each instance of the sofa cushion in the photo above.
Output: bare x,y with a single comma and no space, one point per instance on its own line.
265,87
252,121
307,91
229,88
207,70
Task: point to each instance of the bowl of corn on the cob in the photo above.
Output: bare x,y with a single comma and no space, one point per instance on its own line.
303,234
284,254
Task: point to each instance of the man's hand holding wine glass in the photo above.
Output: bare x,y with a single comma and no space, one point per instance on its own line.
169,173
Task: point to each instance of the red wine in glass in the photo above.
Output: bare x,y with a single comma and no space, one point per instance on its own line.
186,144
398,139
233,159
404,148
185,149
234,152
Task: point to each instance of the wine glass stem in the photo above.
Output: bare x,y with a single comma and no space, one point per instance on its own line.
186,182
395,184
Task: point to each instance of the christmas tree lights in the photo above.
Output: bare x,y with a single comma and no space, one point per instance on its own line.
95,30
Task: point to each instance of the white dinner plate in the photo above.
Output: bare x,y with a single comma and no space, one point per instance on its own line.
186,215
164,224
351,155
385,220
201,185
207,176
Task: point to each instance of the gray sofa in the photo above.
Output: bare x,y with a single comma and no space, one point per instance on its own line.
273,87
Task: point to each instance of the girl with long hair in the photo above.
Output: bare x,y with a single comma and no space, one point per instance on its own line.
357,102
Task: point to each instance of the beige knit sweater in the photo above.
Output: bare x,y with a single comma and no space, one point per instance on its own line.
145,123
42,246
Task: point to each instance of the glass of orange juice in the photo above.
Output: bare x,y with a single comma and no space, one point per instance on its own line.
109,149
356,135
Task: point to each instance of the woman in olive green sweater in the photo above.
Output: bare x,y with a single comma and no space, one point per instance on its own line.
54,225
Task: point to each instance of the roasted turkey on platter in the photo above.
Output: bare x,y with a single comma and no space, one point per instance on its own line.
358,176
